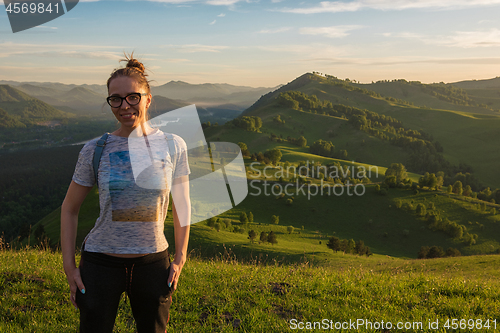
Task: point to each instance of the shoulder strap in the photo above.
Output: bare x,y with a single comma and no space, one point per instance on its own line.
97,154
171,150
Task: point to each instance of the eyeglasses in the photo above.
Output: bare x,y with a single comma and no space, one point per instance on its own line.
132,99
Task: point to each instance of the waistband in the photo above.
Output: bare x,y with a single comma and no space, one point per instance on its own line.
112,261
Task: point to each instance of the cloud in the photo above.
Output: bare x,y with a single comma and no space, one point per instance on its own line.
463,39
390,61
274,31
10,49
340,6
196,48
306,50
221,15
330,32
222,2
213,22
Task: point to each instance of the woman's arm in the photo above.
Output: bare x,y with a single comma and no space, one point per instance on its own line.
69,223
181,210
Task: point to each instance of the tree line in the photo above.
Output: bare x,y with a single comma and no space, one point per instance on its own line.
348,246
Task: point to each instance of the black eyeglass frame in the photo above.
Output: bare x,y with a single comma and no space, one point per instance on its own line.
125,98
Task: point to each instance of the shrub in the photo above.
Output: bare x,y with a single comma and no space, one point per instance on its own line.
271,238
452,252
263,237
435,252
422,254
243,217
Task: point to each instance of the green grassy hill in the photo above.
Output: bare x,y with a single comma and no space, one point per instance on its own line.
26,109
316,217
468,134
225,295
430,95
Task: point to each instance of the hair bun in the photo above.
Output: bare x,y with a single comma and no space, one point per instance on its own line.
134,63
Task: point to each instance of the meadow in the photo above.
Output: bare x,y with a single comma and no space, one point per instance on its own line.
224,294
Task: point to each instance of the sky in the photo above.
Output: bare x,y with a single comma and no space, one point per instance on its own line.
260,43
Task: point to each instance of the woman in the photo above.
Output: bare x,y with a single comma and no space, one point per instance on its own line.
126,250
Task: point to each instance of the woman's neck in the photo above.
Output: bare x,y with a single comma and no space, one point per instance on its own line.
138,131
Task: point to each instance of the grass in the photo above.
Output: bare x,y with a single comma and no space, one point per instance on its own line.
370,217
223,294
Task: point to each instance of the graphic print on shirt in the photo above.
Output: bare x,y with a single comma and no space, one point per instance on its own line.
129,202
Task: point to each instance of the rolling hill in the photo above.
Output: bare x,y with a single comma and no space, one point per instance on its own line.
470,137
26,109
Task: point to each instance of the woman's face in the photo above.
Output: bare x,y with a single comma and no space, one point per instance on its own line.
129,116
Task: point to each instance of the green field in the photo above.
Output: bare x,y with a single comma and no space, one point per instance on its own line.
370,217
467,134
225,295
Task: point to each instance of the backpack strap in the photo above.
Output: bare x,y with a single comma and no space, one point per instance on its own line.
97,154
171,150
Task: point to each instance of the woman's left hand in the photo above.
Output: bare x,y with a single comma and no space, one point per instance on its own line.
175,272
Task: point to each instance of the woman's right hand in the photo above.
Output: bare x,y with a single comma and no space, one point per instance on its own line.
75,284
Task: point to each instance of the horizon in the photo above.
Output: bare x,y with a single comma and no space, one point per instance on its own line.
222,83
260,44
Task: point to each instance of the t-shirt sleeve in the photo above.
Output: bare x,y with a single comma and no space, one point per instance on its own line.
84,171
181,158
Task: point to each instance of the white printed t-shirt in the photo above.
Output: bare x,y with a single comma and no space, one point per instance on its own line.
132,217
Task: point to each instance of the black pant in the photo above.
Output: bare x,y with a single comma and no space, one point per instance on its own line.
144,279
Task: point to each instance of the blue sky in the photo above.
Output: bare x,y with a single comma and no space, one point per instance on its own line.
260,43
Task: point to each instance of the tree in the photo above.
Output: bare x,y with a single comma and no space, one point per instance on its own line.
211,222
457,187
322,148
263,237
243,217
227,223
275,219
398,170
334,244
244,149
360,247
252,235
435,252
274,155
422,254
217,226
250,217
420,210
452,252
302,142
290,229
271,238
467,191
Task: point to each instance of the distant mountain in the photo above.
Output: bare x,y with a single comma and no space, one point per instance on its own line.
479,84
19,108
9,94
162,104
210,94
90,99
486,92
82,100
